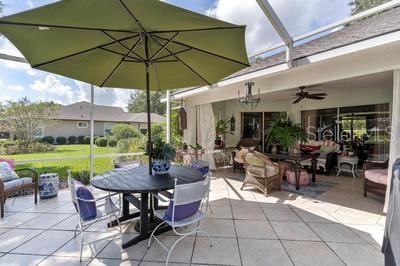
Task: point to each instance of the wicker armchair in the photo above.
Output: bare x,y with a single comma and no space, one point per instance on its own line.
375,177
243,143
11,187
262,173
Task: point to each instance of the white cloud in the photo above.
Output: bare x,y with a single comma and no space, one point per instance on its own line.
17,88
103,96
53,89
298,16
4,98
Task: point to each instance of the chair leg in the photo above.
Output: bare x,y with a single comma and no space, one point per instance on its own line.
207,235
365,187
36,192
152,234
76,229
173,246
80,256
2,207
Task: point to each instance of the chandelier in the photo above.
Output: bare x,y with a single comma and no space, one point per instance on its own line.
249,99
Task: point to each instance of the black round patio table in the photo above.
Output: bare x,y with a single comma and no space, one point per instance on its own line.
137,180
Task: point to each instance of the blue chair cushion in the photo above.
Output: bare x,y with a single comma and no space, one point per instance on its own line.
181,211
87,210
202,167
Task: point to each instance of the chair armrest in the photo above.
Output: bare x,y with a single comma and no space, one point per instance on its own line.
374,165
28,172
162,199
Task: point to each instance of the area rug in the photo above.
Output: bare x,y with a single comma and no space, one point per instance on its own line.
313,190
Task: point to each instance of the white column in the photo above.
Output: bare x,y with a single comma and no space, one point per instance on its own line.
395,133
91,156
168,103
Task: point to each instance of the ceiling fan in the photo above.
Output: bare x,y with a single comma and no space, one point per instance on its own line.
305,95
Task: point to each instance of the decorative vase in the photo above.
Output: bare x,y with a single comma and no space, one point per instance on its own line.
48,185
161,166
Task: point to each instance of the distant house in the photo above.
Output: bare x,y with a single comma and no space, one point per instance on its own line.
74,120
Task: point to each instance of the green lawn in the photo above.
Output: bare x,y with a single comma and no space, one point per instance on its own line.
61,166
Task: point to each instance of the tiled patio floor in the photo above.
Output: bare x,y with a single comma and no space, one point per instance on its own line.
340,227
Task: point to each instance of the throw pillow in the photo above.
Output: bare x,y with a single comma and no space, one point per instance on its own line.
201,166
324,148
87,210
181,211
9,161
6,172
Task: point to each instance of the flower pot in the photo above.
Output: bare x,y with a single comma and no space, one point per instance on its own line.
161,166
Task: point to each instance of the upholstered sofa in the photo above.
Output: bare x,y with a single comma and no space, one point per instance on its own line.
375,177
261,173
27,179
328,152
249,145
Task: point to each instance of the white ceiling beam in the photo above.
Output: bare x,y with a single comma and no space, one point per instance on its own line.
280,29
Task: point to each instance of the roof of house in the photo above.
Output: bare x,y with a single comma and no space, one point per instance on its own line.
81,111
367,28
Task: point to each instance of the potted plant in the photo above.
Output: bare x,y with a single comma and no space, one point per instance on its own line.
222,127
285,134
162,154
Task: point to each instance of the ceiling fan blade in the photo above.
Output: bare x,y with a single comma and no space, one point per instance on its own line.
318,94
313,97
297,100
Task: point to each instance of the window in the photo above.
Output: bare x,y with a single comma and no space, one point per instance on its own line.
82,124
39,133
108,127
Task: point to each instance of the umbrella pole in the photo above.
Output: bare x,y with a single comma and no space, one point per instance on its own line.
149,142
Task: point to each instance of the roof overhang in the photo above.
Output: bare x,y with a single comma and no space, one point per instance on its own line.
372,55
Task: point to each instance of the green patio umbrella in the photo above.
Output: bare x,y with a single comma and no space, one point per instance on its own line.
137,44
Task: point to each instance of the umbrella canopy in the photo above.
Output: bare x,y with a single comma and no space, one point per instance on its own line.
139,44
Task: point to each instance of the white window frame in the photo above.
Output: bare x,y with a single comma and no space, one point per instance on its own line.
78,126
38,136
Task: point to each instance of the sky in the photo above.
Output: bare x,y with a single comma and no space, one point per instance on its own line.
299,16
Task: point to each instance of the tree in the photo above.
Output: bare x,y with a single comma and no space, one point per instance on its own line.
358,6
24,119
137,102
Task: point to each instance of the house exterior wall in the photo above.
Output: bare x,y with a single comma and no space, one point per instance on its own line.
66,128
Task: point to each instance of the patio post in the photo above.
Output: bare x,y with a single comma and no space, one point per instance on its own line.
394,152
91,156
168,102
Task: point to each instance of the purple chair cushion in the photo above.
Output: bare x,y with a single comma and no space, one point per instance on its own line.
204,169
181,211
87,210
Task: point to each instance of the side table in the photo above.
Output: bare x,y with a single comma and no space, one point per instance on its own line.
351,161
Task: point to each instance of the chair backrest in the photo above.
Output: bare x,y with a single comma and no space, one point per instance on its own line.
202,166
248,142
192,192
72,188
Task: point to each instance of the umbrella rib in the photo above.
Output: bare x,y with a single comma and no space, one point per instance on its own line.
118,53
123,45
81,52
201,29
164,46
119,63
204,51
61,26
180,60
166,56
121,2
155,68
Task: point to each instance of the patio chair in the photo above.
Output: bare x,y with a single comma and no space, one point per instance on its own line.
27,179
184,210
262,173
246,144
87,211
375,177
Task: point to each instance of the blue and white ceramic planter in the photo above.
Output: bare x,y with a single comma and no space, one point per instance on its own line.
161,166
48,185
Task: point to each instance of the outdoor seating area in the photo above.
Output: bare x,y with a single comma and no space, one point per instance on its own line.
340,227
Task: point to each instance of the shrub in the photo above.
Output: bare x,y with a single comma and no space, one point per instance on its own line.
95,138
86,140
125,131
41,147
7,143
102,142
48,139
123,145
80,139
61,140
82,176
112,142
138,145
72,139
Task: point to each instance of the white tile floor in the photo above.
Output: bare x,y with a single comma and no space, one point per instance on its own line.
340,227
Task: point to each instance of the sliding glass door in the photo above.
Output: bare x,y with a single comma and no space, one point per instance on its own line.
254,124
